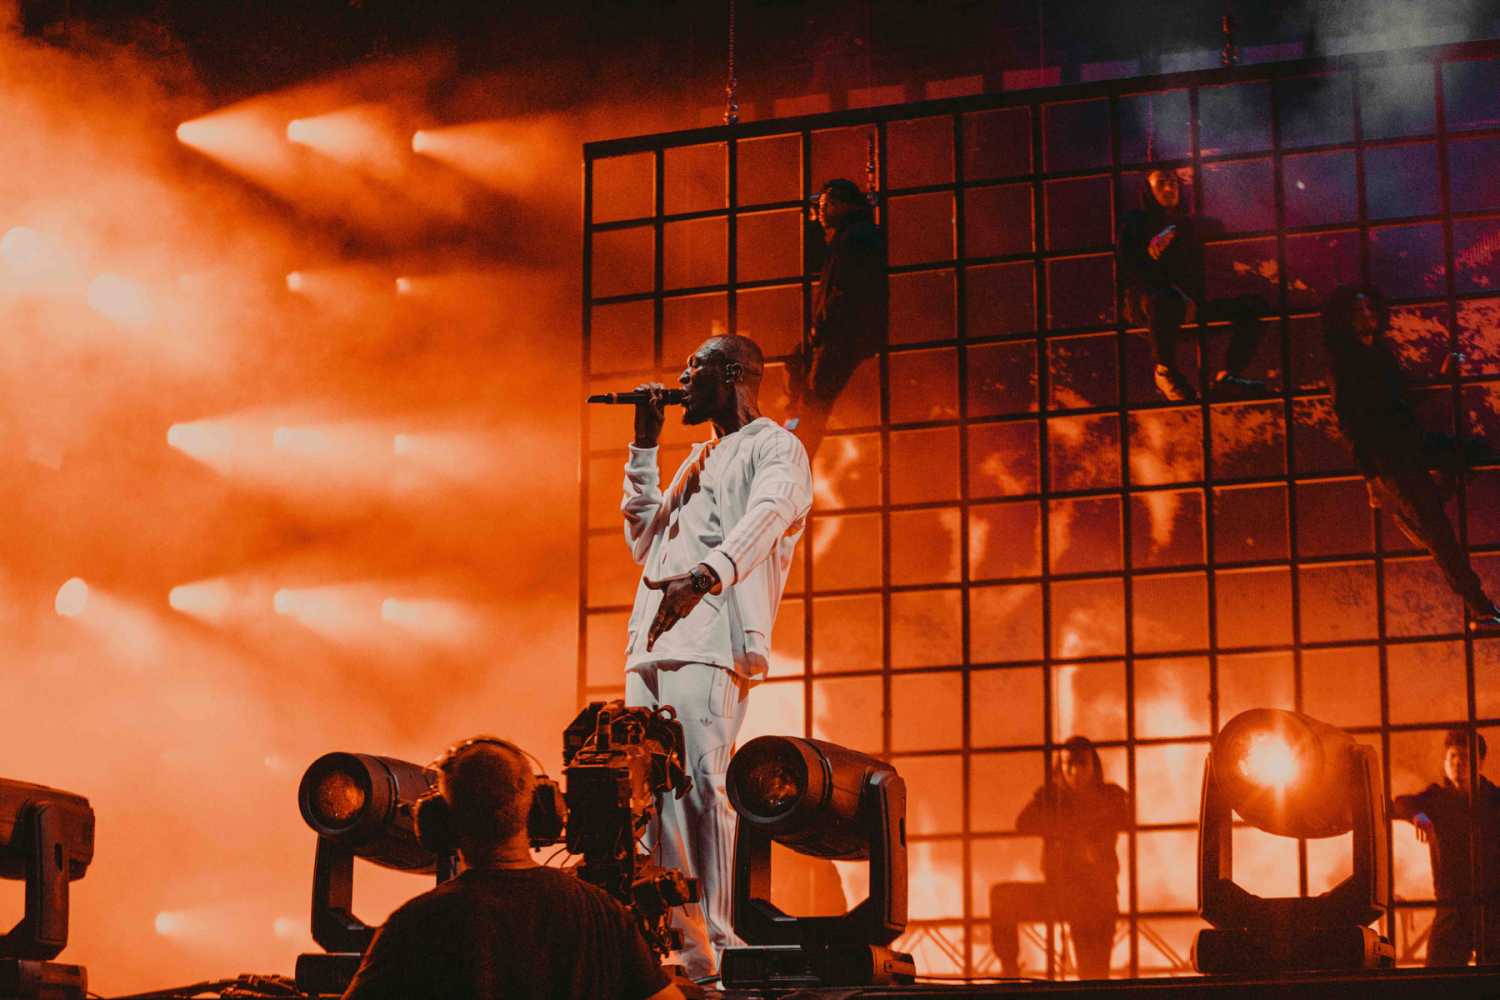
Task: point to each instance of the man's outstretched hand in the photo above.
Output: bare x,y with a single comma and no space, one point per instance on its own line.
678,599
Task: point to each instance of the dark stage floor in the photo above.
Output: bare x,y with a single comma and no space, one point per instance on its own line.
1402,983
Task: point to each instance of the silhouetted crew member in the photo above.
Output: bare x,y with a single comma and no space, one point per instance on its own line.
1078,816
506,928
851,310
1441,815
1161,271
1373,404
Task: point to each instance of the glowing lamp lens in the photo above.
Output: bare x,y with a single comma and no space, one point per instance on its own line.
773,782
72,598
339,799
1268,760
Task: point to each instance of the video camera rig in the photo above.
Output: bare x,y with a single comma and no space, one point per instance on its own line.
616,761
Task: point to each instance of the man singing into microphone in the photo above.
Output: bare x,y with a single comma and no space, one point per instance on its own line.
716,546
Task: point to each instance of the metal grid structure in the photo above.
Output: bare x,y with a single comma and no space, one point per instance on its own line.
1015,540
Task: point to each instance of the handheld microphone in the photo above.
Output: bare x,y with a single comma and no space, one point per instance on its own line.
669,397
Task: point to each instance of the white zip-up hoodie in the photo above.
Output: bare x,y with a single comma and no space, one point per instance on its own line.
738,503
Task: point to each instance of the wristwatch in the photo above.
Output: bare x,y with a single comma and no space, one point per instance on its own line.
703,579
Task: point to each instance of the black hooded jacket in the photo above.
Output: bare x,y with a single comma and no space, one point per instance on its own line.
1370,393
1078,830
1374,408
1181,265
851,307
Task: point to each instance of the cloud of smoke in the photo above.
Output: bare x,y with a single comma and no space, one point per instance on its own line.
190,735
1370,25
423,452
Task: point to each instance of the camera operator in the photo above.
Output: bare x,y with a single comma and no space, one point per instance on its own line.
506,927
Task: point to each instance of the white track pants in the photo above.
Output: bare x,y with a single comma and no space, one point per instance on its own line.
697,832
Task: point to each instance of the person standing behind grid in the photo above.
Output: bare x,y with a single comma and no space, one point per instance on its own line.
1079,817
1444,821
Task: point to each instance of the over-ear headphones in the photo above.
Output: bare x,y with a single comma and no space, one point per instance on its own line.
433,813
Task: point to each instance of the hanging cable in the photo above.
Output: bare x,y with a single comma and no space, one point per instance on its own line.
872,165
732,88
1150,128
1041,43
1229,55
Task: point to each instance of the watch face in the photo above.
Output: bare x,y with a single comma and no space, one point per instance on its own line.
701,582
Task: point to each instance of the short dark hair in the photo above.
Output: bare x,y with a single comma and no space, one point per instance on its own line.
737,348
1460,738
489,788
844,190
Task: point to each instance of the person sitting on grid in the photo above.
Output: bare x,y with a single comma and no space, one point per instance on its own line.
1162,274
1079,816
851,311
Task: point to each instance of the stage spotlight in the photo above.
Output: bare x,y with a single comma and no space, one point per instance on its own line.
120,300
209,441
403,286
47,841
295,282
20,246
823,800
509,155
72,598
1291,776
35,263
360,805
168,923
299,130
205,599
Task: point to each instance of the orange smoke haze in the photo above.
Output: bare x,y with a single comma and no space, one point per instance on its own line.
330,512
291,403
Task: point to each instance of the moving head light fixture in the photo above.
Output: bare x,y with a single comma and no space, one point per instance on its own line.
1291,776
359,805
47,841
826,801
